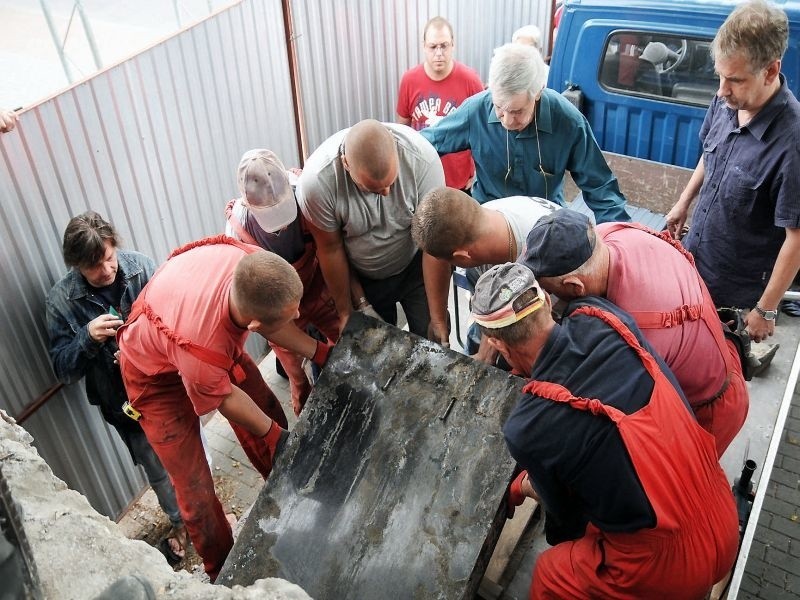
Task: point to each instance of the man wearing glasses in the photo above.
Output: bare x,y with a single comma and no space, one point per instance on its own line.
636,502
434,89
523,138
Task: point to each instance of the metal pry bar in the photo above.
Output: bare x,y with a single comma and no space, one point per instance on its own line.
447,410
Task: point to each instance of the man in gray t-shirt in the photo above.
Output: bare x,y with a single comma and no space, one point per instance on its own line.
359,191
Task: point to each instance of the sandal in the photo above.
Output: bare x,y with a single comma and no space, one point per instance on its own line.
181,539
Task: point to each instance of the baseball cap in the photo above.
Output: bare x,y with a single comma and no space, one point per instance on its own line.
558,243
499,299
266,190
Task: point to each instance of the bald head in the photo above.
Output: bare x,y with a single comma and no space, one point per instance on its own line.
370,153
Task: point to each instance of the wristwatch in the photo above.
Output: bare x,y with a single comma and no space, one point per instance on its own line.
767,315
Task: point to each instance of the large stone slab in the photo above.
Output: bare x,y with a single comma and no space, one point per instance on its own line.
392,482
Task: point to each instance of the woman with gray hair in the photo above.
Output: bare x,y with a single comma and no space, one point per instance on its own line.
524,137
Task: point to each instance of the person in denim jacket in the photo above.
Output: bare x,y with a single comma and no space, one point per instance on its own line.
84,310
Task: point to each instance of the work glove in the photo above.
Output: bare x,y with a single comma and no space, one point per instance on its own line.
515,495
369,311
321,354
275,438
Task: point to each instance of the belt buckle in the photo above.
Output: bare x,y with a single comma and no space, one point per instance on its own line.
130,411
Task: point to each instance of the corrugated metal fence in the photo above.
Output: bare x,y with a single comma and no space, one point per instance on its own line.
352,54
152,144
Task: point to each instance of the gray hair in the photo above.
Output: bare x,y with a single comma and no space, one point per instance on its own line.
530,32
516,69
756,29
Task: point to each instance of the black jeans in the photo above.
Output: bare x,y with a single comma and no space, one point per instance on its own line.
407,288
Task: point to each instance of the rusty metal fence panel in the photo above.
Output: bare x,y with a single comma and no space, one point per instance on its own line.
152,144
351,54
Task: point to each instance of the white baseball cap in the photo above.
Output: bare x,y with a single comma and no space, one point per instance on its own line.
265,190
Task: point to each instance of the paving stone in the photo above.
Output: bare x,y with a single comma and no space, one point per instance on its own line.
785,477
789,463
786,493
790,449
774,540
780,507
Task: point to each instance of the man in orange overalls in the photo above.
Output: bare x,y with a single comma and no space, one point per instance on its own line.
636,503
266,215
182,355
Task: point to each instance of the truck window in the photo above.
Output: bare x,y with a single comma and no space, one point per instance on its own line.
663,67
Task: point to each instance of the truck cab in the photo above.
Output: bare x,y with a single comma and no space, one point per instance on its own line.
642,72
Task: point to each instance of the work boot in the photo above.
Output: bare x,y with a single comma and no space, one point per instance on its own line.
760,357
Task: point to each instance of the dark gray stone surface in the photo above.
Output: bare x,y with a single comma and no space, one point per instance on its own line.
381,491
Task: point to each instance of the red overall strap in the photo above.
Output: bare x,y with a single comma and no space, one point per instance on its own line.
201,353
306,265
558,393
711,320
240,231
647,319
212,241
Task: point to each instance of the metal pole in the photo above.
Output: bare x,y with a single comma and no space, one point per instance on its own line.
52,27
87,29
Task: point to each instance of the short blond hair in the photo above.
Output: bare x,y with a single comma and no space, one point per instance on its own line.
445,220
756,29
264,284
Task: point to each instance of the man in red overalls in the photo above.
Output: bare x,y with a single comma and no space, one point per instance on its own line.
636,503
181,355
651,277
266,215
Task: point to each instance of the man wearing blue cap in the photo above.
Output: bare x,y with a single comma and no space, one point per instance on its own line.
631,485
651,277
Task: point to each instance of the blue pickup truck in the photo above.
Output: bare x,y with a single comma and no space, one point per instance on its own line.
642,74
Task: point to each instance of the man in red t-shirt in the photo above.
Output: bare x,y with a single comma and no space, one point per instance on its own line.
182,355
434,89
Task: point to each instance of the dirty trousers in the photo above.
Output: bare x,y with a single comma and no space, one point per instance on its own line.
173,429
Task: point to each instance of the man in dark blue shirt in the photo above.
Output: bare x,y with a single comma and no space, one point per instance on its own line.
745,233
610,447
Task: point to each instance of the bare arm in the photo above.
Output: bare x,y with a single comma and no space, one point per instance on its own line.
404,120
676,217
436,276
239,408
292,338
335,269
786,266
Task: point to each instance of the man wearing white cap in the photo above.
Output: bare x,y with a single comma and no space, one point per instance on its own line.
265,214
631,484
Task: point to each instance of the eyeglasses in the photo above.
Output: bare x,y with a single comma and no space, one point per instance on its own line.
444,47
